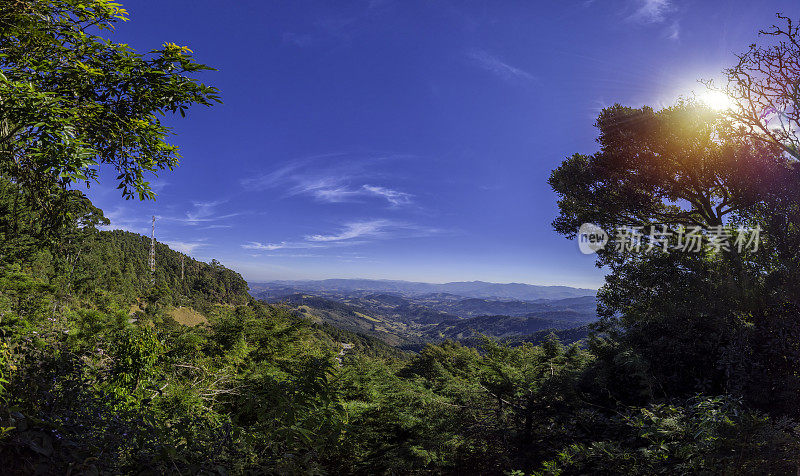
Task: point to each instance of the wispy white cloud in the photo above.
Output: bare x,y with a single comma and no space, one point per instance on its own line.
333,190
349,234
202,210
674,31
345,181
297,174
652,11
356,230
656,13
288,255
294,245
121,219
500,68
186,247
201,213
340,257
327,189
394,197
254,245
158,185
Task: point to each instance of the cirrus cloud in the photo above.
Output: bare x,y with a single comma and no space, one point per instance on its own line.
343,181
349,234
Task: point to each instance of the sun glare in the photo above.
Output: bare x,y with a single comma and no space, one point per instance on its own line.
716,100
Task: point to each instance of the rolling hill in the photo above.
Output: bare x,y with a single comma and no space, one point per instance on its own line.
408,321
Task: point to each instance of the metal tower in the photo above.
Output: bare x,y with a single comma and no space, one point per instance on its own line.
153,253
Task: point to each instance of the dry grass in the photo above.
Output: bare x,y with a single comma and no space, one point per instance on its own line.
187,316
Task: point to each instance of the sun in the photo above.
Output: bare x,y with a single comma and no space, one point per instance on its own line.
716,100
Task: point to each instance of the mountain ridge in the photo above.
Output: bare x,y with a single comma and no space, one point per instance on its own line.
470,289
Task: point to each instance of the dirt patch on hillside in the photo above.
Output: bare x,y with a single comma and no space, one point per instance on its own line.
187,316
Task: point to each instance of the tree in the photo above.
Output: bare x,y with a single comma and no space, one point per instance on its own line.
71,99
705,321
679,166
764,86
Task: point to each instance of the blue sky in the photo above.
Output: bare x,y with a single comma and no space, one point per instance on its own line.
404,139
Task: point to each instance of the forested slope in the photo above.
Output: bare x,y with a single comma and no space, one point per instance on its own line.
125,270
693,368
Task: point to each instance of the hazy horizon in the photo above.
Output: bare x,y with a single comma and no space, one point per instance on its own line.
408,281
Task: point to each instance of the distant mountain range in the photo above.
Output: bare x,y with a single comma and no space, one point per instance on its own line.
469,289
407,315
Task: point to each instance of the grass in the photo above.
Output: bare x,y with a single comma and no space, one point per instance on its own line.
187,316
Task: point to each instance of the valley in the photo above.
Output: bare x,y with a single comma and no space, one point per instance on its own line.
408,315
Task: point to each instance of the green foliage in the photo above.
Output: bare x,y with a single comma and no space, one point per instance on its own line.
692,369
703,435
258,390
73,100
125,271
134,353
687,166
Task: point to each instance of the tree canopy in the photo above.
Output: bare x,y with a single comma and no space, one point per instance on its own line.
71,99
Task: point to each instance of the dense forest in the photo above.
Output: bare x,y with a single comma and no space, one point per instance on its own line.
694,366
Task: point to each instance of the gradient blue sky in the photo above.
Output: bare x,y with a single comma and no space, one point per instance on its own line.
404,139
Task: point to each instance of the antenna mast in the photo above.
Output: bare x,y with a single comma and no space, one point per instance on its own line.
153,253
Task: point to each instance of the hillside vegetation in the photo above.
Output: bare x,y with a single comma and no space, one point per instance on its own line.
692,368
261,389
